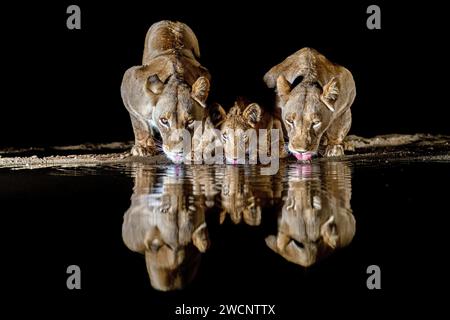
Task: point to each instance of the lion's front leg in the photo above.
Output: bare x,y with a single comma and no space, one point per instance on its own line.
336,133
144,144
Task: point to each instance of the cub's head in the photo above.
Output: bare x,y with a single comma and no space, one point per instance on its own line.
235,128
176,106
307,111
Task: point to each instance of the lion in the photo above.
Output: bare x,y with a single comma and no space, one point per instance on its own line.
168,92
316,218
236,127
167,224
319,105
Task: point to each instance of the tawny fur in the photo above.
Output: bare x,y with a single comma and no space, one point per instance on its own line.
241,117
167,224
314,221
324,96
168,91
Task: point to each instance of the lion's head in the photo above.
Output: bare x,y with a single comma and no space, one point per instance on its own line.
176,107
307,112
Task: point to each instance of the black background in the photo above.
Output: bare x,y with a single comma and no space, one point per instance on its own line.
65,84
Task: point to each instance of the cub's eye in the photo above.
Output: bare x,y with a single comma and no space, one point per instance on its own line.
317,124
164,121
224,136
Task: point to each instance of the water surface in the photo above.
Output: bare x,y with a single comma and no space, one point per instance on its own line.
174,234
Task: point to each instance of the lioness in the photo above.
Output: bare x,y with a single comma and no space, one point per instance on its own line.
316,218
236,126
168,92
319,105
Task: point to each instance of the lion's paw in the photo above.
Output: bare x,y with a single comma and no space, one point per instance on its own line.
336,150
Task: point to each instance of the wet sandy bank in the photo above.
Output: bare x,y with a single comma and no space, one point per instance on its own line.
392,147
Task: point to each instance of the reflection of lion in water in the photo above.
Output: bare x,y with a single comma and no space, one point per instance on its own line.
168,225
244,194
316,216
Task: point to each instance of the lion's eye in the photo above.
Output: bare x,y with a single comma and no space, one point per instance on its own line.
190,122
164,121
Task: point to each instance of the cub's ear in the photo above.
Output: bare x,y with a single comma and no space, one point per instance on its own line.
200,238
154,84
252,114
200,91
330,94
217,114
283,87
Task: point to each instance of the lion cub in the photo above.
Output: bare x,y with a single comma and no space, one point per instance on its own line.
241,127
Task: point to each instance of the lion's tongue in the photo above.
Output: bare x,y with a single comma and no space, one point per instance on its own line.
305,156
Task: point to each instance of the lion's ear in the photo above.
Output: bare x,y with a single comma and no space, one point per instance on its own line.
283,87
252,114
217,114
271,242
200,238
200,90
330,94
154,84
329,233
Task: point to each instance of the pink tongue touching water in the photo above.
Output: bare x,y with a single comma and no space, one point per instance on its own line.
306,156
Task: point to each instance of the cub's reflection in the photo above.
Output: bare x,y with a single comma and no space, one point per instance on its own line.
244,193
166,222
316,216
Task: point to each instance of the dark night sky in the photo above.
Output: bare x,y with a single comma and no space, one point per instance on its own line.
66,84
